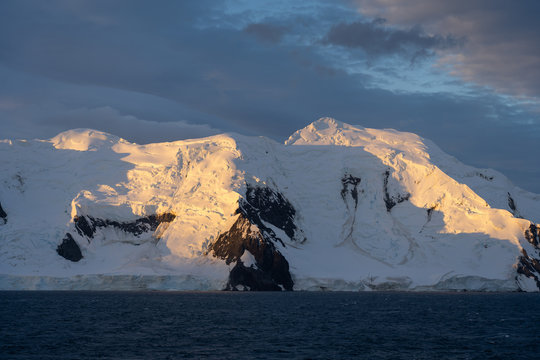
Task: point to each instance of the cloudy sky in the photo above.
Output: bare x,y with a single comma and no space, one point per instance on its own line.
465,74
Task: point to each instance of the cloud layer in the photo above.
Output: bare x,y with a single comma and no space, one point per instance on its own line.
377,40
188,69
500,46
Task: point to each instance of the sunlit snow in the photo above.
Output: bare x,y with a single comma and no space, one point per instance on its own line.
450,226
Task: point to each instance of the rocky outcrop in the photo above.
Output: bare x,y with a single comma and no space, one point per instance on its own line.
264,205
69,249
532,234
87,225
484,176
392,200
529,263
3,214
429,213
513,207
349,186
349,194
529,266
269,270
511,203
251,237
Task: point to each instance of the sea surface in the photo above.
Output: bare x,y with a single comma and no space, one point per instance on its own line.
293,325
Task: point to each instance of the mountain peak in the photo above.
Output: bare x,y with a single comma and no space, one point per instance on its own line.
354,208
327,131
83,140
326,123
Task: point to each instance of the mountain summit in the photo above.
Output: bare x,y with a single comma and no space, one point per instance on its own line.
337,207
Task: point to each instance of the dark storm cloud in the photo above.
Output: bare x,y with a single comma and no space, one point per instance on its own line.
376,39
222,72
266,32
136,69
501,37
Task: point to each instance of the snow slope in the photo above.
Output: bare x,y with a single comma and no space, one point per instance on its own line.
338,207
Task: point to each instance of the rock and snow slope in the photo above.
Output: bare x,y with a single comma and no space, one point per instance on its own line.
337,207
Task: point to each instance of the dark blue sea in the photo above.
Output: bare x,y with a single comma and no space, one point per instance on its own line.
294,325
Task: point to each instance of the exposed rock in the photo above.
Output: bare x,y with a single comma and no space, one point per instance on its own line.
271,269
484,176
87,225
69,249
264,204
529,264
84,226
261,207
349,185
513,207
530,267
430,213
3,214
391,201
532,234
511,203
349,194
248,278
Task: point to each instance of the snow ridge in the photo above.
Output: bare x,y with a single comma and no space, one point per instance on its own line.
337,207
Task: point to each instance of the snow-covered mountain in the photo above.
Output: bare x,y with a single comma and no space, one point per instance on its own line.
336,207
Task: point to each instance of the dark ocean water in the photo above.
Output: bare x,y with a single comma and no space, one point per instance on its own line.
300,325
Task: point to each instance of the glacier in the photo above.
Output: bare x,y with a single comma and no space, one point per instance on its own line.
336,207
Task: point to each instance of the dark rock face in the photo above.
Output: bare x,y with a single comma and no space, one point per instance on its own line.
532,234
350,194
87,225
512,206
529,264
3,214
69,249
84,226
270,271
484,176
429,213
264,204
511,203
349,185
391,201
261,206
